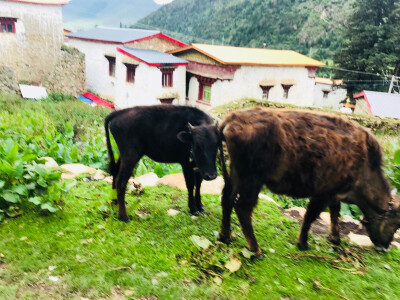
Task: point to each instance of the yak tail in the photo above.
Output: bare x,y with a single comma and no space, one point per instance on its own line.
227,192
112,166
222,157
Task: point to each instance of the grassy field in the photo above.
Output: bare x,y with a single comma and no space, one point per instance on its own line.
84,251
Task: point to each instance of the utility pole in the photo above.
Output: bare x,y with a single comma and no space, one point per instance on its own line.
394,85
391,85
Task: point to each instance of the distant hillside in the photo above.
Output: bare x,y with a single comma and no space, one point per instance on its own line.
312,27
79,14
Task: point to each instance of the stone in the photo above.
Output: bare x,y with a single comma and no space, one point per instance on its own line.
268,198
360,240
50,162
296,212
172,212
72,170
213,187
99,175
109,179
349,219
149,179
326,217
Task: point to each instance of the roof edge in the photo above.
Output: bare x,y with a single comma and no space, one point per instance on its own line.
149,64
161,35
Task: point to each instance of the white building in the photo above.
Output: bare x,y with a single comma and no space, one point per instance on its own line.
31,35
328,93
220,74
130,66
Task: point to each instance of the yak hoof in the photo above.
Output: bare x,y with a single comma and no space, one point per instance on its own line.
125,219
334,241
258,256
224,239
201,208
195,213
303,246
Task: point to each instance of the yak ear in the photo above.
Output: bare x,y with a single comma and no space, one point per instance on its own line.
185,137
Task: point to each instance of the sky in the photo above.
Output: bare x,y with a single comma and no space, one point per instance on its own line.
163,1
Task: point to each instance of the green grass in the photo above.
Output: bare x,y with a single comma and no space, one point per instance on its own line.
97,256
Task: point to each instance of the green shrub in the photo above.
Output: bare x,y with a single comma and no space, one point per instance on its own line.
23,179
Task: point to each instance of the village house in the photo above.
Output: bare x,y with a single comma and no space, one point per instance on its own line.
328,93
385,105
31,35
220,74
131,67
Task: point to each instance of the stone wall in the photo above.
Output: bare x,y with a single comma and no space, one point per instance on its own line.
68,76
32,51
8,83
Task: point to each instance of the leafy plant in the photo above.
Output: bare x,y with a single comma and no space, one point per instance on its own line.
23,179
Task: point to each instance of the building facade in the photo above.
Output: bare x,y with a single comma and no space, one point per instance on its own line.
130,66
31,35
328,93
220,74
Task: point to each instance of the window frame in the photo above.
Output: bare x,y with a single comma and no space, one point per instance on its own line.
286,88
265,91
167,77
111,65
7,22
130,72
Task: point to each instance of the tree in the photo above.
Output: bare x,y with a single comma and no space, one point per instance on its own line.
371,45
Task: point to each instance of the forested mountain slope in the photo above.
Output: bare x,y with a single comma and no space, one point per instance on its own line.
312,27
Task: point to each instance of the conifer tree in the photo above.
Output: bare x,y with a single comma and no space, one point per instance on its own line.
371,45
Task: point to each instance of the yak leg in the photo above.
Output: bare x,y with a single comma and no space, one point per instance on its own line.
124,173
334,236
188,173
248,196
198,179
228,199
314,208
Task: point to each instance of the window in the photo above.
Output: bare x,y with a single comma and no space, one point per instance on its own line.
130,72
167,100
286,88
265,90
167,78
111,66
326,93
205,84
207,93
7,24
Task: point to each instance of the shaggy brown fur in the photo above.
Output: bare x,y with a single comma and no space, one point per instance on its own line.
304,154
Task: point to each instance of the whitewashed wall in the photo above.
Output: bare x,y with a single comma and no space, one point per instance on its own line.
97,76
34,49
147,88
334,97
148,80
246,84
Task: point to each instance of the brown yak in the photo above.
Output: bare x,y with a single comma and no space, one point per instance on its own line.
305,154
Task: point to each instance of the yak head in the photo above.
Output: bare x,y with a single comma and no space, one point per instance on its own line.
382,227
204,145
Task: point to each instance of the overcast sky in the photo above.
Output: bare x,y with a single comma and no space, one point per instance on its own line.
163,1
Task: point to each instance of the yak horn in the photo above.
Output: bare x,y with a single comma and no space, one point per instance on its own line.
393,192
190,126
